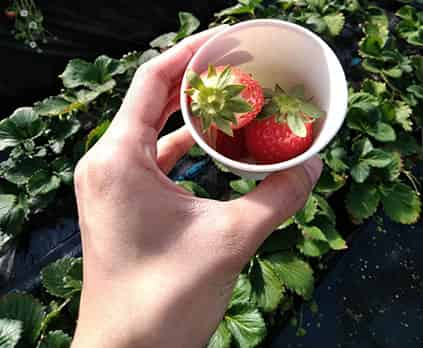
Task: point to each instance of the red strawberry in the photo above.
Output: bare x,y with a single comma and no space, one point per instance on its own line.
284,128
231,147
270,142
224,97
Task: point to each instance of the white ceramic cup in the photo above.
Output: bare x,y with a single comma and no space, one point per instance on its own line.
275,51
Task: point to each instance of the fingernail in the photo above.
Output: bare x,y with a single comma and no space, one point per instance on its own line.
314,168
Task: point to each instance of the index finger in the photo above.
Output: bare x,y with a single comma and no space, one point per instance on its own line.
153,82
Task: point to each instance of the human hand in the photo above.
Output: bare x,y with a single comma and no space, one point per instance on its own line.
159,263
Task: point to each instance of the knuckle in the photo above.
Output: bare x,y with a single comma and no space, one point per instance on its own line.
300,188
79,174
97,170
150,71
234,251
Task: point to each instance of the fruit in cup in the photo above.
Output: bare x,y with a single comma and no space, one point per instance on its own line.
224,97
241,123
283,129
232,147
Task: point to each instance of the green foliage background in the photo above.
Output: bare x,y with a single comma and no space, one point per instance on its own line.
369,164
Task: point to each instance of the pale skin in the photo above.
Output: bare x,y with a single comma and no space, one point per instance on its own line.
159,263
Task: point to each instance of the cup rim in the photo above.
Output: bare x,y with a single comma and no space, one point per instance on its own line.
260,168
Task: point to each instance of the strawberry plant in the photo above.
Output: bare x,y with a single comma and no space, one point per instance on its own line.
368,166
28,322
28,23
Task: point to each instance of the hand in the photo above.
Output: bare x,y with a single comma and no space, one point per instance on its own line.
159,263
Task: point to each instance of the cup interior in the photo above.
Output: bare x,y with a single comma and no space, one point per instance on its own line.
273,52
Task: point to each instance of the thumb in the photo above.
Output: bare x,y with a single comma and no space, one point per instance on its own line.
277,198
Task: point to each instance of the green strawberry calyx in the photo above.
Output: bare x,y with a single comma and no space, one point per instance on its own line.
216,99
292,108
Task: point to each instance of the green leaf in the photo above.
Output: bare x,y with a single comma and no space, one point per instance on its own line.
294,273
61,130
417,61
196,151
376,88
26,309
324,209
334,239
330,182
43,182
24,124
63,168
307,214
220,166
313,248
188,24
5,239
280,240
243,186
401,203
62,278
296,125
407,12
382,132
107,68
402,116
416,90
405,144
313,232
363,121
377,26
20,171
335,23
266,285
242,292
12,219
362,200
378,158
317,23
55,339
163,41
64,128
286,223
410,28
96,134
360,172
247,327
363,101
79,72
10,333
53,106
393,170
221,338
362,147
243,7
147,55
7,202
193,187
